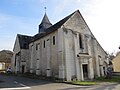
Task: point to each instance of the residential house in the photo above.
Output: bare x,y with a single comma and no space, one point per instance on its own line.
116,62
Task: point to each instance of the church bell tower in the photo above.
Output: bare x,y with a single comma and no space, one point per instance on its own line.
44,24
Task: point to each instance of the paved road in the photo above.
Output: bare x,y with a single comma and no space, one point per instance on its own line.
22,83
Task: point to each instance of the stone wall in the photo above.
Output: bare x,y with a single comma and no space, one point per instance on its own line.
47,56
77,25
25,57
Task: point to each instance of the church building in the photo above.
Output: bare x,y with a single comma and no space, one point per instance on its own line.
66,50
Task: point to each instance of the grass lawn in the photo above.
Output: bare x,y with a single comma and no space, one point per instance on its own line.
97,81
113,79
87,83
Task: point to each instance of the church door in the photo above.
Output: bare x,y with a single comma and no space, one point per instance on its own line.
85,71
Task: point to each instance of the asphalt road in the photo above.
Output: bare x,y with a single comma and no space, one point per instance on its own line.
22,83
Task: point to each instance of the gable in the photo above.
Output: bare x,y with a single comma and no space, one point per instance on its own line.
77,23
16,45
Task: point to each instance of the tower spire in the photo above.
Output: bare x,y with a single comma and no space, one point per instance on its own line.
45,9
45,23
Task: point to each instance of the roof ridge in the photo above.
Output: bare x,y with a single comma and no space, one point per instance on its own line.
23,35
54,27
62,21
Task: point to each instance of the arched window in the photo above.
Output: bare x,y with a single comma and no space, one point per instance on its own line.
53,40
44,44
80,41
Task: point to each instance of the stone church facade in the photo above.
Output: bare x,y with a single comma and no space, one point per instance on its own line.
66,50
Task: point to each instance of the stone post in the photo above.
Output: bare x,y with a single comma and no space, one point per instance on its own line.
48,57
67,57
32,59
90,63
81,70
60,53
96,58
38,60
17,64
76,58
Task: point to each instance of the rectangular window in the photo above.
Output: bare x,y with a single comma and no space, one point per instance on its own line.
37,46
44,44
53,40
31,47
15,61
80,41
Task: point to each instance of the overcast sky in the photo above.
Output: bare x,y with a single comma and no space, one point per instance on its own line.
24,16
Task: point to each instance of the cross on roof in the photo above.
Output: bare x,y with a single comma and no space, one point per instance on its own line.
45,8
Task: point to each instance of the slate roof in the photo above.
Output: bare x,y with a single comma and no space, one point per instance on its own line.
24,41
52,28
44,24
